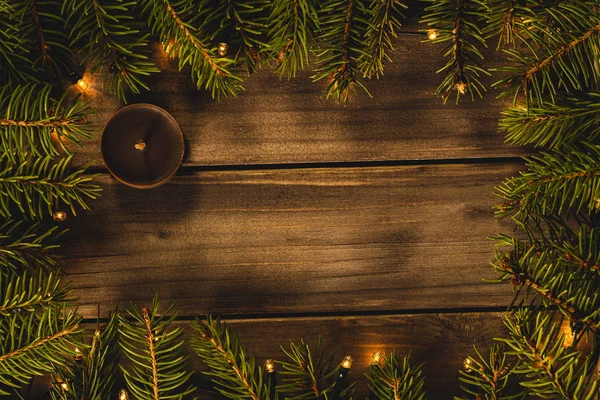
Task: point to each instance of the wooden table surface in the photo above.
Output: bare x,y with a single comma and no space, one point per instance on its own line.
294,217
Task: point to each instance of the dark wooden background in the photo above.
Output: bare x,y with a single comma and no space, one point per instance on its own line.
293,217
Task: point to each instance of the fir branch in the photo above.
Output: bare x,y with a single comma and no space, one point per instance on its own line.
292,28
233,371
15,66
492,378
457,24
113,43
394,378
36,183
32,121
539,272
384,21
309,375
559,55
30,293
27,247
571,119
42,22
502,19
40,341
562,182
174,22
241,24
550,368
341,44
91,374
156,351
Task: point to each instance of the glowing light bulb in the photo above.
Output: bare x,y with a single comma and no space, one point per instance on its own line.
169,46
468,364
78,354
64,386
123,395
461,87
377,358
347,362
269,366
83,85
59,216
432,34
222,49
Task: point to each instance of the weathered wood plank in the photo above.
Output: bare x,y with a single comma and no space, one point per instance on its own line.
280,121
440,341
293,241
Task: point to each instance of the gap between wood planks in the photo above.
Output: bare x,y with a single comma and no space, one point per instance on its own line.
190,169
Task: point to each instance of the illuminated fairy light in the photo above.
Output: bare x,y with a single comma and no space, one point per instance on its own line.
347,362
432,34
123,395
269,366
169,46
83,85
461,87
468,364
377,358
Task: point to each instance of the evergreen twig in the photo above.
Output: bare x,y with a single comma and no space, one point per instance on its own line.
35,184
113,42
234,372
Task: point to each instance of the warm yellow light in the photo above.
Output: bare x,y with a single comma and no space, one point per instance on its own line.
59,216
377,358
461,87
169,46
123,395
269,366
468,364
222,49
78,354
64,386
347,362
432,34
83,85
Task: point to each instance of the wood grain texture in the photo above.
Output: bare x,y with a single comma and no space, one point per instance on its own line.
280,121
293,241
440,341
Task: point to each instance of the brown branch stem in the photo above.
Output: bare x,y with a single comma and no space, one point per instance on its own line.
194,40
40,342
150,338
561,53
233,364
524,278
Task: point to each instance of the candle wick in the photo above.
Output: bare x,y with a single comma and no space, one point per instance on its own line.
140,145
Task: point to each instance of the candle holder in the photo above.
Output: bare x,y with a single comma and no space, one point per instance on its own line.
142,146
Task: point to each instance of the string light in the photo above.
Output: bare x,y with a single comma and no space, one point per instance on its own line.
78,80
64,386
222,49
461,87
83,85
123,395
59,216
432,34
377,358
269,366
169,46
78,354
347,362
468,364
